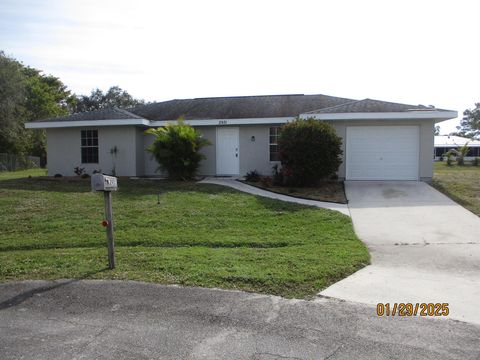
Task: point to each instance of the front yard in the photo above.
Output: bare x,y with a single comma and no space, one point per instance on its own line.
199,234
461,183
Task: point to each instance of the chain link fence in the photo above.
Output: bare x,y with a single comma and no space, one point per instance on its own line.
9,162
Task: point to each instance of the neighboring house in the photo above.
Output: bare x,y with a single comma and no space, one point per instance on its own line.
381,140
443,143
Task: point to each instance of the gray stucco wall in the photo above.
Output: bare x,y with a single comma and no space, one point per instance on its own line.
64,152
208,166
63,146
139,151
255,155
149,164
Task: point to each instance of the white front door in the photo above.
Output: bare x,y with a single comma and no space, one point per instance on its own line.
382,153
228,155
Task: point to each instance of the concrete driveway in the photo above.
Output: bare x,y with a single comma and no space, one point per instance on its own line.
424,247
133,320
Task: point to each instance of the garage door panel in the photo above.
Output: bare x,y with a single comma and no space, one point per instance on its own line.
382,152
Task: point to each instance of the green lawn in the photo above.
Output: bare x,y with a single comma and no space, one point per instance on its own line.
199,234
461,183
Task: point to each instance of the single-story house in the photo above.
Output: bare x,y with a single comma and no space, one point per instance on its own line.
381,140
443,143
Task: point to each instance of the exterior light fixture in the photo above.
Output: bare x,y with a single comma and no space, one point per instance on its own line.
252,138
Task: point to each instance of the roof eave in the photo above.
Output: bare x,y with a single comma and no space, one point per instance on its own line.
84,123
470,144
239,121
406,115
411,115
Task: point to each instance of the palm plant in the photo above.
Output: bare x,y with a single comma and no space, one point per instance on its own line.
449,155
462,152
459,153
177,149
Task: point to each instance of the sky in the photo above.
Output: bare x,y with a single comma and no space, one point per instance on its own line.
414,52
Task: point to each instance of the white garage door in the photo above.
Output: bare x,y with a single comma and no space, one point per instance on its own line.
382,152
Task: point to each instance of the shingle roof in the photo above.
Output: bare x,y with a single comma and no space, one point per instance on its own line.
243,107
372,106
237,107
102,114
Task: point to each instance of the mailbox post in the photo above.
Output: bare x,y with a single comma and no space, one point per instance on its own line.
107,184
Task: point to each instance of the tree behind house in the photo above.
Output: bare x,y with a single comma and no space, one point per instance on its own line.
470,123
12,95
26,94
114,97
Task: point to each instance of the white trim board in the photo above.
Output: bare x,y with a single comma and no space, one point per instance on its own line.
222,122
85,123
410,115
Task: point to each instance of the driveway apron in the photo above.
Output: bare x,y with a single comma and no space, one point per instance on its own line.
425,248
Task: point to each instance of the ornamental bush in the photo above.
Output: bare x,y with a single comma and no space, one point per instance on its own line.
177,149
309,150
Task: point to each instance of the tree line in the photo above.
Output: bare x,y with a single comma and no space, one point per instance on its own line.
27,94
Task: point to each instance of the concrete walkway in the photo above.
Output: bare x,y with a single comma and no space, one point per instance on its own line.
230,182
424,248
46,320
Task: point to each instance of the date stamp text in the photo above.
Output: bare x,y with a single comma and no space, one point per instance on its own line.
412,309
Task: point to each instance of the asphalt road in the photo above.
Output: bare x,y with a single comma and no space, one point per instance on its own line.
133,320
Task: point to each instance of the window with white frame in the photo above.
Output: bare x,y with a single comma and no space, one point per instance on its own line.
89,146
274,131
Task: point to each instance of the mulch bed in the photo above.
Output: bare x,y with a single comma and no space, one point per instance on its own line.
330,191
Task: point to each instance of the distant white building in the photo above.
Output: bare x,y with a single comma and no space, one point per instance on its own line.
443,143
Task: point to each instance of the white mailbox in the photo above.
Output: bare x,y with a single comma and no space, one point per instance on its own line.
104,183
